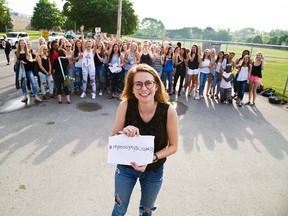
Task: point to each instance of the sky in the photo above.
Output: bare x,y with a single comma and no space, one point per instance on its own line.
223,14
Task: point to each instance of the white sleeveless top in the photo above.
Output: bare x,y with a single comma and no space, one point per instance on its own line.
243,74
88,59
224,84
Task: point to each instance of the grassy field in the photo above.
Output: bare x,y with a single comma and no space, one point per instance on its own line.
276,69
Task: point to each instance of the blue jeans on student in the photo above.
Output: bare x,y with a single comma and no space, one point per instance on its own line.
241,89
100,75
216,83
125,180
78,77
169,75
71,73
30,77
202,81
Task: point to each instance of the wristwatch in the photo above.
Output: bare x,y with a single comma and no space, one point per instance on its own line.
156,158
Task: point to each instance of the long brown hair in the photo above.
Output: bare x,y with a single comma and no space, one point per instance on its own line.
160,95
19,48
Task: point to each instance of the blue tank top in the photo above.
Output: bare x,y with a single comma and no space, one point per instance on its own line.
168,67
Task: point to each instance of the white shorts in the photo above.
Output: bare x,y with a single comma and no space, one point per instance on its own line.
192,72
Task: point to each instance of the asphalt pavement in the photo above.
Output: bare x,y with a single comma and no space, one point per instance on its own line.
53,157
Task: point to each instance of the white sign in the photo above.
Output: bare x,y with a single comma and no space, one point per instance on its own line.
124,150
97,31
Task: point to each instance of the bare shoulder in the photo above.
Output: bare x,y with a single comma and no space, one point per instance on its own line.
122,107
172,112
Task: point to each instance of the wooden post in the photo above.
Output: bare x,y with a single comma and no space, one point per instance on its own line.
119,19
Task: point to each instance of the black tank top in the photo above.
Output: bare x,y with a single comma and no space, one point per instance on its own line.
155,127
193,64
146,59
45,64
256,70
29,66
97,61
182,66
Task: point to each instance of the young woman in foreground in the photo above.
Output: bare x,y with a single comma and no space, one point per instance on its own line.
144,111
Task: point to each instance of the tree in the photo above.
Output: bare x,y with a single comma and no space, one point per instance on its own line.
151,27
46,16
208,33
257,39
5,18
101,13
197,33
223,35
273,40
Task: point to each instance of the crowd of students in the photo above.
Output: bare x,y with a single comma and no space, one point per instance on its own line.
102,63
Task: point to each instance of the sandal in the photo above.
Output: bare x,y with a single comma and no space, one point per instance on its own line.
38,100
111,97
24,100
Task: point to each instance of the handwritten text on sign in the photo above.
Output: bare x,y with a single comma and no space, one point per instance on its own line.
124,150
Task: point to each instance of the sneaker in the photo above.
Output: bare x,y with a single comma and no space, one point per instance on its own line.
201,97
93,95
197,98
83,95
238,101
100,93
31,94
240,104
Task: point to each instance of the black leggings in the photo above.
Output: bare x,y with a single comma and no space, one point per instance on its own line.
179,73
59,83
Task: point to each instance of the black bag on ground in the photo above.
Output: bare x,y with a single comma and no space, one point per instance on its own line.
274,100
268,92
260,88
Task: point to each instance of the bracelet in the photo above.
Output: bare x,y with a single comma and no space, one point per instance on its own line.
119,133
156,158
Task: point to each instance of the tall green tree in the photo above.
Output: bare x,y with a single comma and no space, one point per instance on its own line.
101,13
5,18
151,27
46,15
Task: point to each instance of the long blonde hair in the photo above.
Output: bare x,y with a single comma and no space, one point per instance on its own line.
41,50
160,95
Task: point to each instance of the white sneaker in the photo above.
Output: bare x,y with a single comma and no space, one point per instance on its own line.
100,93
83,95
93,95
197,98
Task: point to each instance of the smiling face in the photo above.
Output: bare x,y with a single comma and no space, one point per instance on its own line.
144,86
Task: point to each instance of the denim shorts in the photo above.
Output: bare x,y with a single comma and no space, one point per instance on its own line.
125,180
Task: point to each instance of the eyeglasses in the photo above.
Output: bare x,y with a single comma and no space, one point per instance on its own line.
149,84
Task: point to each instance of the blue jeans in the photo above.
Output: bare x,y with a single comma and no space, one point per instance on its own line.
78,77
72,75
30,77
46,80
241,89
216,82
100,75
125,180
169,75
202,81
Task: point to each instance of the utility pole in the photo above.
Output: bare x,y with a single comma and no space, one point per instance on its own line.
119,19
